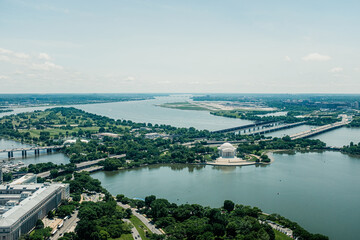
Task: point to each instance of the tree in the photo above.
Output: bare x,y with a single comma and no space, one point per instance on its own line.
149,200
51,214
265,158
119,197
44,136
128,213
228,205
54,173
39,224
65,210
103,235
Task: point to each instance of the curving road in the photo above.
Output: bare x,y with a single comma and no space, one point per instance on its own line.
134,232
143,219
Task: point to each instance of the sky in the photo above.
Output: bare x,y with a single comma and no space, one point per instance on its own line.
179,46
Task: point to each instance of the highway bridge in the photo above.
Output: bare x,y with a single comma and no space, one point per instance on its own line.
35,149
275,128
321,129
246,127
83,165
213,143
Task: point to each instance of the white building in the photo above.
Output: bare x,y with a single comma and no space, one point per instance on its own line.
227,157
22,205
227,151
73,141
28,178
155,135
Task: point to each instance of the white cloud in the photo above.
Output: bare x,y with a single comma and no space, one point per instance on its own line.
4,58
6,52
336,70
44,56
129,79
21,55
2,50
2,77
164,82
46,66
194,82
316,57
287,59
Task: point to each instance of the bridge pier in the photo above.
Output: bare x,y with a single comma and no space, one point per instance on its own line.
48,150
10,154
37,152
23,153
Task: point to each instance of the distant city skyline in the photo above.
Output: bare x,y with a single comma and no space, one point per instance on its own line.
139,46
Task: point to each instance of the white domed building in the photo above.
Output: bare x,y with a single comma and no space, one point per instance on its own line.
227,151
227,157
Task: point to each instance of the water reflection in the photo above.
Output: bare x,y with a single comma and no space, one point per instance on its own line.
225,169
286,187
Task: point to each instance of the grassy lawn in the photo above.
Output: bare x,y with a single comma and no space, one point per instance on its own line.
56,131
281,236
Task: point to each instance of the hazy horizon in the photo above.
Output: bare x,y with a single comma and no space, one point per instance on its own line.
139,46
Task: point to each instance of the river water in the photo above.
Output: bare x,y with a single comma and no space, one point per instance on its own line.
148,111
318,190
44,157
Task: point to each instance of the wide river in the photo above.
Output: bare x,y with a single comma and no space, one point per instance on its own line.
317,190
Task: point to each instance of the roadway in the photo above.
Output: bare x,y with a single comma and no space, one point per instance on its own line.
82,165
275,128
321,129
243,127
134,232
143,219
69,226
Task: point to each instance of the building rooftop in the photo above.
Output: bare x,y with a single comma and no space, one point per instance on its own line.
27,187
15,214
227,146
25,179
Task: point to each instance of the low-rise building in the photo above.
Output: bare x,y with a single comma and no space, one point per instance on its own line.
28,178
155,135
107,134
22,205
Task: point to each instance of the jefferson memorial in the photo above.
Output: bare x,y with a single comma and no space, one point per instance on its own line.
227,156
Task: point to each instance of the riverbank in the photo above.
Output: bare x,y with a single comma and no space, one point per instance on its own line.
215,106
49,100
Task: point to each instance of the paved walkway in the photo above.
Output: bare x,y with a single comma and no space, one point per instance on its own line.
146,221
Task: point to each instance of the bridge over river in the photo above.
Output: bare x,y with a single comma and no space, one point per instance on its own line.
83,165
35,149
321,129
275,128
253,126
